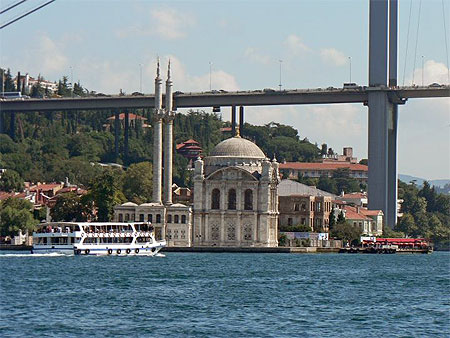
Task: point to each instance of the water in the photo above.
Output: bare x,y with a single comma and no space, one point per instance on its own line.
225,295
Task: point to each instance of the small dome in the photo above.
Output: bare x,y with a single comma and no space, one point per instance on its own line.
237,147
129,204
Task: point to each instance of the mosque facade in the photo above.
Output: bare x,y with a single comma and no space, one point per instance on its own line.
235,191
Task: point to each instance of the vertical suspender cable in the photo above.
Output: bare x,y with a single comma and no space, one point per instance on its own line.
446,47
407,42
417,39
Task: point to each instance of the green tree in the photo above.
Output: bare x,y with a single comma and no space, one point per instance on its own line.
105,194
11,181
347,232
332,220
15,216
341,218
68,207
327,184
407,224
137,183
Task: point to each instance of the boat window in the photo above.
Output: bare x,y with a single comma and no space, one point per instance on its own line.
176,218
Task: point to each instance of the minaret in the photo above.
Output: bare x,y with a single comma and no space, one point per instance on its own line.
157,139
168,140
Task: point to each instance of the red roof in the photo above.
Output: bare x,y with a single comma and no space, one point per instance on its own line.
190,141
354,195
130,117
46,187
322,166
351,215
371,212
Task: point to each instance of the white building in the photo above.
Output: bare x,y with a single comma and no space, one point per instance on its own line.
235,197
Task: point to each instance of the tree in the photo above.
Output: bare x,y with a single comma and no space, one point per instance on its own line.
347,232
341,218
68,207
105,194
327,184
323,150
407,224
15,216
137,184
332,220
11,181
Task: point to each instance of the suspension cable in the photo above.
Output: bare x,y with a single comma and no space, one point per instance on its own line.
417,39
26,14
407,42
446,47
12,6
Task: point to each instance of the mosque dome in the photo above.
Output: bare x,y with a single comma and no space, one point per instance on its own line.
237,147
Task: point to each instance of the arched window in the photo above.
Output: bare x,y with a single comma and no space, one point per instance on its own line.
169,218
232,199
150,218
183,219
177,218
158,218
215,199
141,217
248,199
120,217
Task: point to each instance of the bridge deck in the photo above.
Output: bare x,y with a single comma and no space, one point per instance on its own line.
222,98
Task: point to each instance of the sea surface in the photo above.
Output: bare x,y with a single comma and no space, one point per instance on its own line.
225,295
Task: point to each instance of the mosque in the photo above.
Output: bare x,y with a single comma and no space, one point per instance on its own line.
235,190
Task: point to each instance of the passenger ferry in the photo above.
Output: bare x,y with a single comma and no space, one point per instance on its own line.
94,238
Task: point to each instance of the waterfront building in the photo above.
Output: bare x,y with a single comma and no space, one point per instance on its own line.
302,205
236,196
295,170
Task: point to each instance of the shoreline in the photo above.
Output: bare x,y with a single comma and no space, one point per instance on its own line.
293,250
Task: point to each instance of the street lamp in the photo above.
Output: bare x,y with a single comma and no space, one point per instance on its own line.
350,64
140,78
422,70
210,65
71,79
280,73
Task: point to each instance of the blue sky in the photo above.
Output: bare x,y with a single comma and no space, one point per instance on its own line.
103,44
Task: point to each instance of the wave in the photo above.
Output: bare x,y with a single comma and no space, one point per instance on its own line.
53,254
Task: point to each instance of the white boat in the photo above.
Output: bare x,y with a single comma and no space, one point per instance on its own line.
95,238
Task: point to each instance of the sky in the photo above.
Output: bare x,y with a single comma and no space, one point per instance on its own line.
111,45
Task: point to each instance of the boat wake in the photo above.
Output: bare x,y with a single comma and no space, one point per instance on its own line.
53,254
160,255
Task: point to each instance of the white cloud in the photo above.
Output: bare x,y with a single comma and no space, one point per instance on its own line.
171,24
296,45
433,72
166,23
334,56
256,57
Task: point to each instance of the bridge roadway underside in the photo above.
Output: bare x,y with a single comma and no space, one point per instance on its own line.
199,100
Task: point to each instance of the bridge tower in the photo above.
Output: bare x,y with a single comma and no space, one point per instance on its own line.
383,113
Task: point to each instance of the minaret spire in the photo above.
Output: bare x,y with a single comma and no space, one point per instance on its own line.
157,69
168,140
157,139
